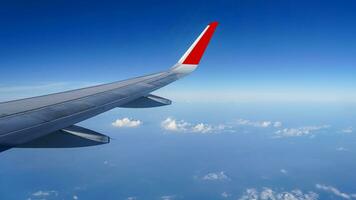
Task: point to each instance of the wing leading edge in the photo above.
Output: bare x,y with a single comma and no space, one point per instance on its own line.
47,118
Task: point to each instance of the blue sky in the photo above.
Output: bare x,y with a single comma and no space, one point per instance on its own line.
268,115
278,50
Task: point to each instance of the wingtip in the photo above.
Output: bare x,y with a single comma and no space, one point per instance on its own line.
214,23
194,54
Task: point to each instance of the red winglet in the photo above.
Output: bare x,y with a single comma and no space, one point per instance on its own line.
195,53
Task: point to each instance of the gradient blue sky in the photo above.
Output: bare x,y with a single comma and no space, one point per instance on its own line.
272,50
271,108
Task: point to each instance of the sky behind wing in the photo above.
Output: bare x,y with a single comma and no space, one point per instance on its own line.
285,50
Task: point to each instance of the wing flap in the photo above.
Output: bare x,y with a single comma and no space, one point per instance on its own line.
73,136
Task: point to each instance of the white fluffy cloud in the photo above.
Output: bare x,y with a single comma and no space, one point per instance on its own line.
260,124
282,132
335,191
215,176
246,122
293,132
171,124
202,128
269,194
126,122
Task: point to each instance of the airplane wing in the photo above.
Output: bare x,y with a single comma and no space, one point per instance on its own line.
48,121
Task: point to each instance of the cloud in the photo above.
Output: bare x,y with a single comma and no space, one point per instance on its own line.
347,130
126,122
215,176
262,124
168,197
269,194
341,149
131,198
171,124
284,132
335,191
259,124
202,128
250,194
44,194
49,194
283,171
277,124
225,195
293,132
109,163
